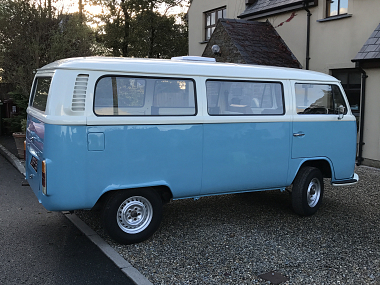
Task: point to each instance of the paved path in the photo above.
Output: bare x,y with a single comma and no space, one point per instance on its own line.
42,247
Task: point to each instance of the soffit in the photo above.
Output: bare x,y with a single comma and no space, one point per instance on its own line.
267,7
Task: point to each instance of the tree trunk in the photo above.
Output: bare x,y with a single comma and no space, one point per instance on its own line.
80,4
152,37
49,8
152,31
125,43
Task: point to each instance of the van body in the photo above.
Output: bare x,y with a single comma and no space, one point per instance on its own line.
131,134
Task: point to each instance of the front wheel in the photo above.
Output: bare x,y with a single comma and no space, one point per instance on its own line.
307,191
132,216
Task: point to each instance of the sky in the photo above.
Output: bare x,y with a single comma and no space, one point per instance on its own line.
71,6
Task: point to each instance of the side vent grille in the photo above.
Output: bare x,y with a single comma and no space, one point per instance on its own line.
79,96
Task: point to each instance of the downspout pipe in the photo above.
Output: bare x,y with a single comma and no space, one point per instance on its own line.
360,158
305,6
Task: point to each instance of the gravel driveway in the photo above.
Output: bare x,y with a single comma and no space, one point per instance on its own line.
231,239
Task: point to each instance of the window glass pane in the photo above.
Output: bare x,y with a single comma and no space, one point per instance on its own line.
332,7
313,99
353,97
220,14
104,97
126,96
173,93
213,18
130,92
244,98
351,82
174,97
342,76
41,92
208,19
343,6
355,79
224,13
318,99
338,99
208,33
212,90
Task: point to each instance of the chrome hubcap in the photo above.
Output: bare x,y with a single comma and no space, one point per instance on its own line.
313,192
134,214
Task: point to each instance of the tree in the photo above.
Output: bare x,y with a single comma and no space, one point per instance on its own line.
157,36
135,28
72,38
32,35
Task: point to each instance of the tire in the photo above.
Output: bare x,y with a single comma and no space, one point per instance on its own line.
132,216
307,192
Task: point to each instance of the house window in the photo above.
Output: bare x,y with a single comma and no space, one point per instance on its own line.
351,81
211,20
336,7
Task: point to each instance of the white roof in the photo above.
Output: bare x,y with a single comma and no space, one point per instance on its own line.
185,68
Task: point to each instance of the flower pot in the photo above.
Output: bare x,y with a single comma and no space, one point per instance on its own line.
19,140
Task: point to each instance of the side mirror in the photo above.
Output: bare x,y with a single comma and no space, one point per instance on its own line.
341,110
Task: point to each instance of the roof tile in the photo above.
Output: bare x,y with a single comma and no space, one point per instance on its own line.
371,41
259,43
371,55
371,48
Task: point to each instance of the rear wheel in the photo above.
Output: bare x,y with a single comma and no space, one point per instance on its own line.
307,191
132,216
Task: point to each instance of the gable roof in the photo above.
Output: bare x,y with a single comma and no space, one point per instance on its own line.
255,42
371,49
263,8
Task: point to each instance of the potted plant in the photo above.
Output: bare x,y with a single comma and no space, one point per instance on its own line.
20,137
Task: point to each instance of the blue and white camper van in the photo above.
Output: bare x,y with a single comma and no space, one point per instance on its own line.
132,134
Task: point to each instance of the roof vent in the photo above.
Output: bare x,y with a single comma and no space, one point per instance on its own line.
193,58
79,95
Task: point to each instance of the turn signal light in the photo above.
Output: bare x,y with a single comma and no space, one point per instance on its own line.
24,150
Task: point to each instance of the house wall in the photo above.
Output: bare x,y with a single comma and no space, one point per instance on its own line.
333,43
371,149
197,20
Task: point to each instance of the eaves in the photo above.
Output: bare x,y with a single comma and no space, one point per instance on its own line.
277,10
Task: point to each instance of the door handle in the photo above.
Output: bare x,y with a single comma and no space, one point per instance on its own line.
300,134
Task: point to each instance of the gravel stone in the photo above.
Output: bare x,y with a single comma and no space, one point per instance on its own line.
231,239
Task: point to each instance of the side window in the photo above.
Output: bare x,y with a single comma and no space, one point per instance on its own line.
131,96
319,99
244,98
40,93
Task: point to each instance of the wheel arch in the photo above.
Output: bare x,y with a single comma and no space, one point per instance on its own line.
323,164
162,190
